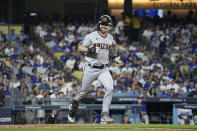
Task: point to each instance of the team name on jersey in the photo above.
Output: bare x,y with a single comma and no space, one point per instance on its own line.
102,45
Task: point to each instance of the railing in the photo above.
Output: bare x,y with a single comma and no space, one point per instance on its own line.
22,111
37,114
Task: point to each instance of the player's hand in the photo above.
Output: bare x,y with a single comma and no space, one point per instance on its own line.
94,50
118,61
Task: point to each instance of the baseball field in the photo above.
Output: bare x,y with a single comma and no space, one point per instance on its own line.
98,127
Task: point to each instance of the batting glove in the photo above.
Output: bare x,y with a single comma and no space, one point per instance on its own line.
118,61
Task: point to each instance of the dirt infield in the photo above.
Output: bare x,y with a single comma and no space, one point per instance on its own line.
103,126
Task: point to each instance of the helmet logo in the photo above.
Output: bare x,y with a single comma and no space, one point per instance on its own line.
104,19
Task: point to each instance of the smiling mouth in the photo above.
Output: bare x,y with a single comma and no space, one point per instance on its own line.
104,28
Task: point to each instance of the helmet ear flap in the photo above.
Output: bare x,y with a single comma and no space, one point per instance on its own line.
98,26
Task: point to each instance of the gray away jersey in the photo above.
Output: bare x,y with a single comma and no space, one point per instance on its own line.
96,40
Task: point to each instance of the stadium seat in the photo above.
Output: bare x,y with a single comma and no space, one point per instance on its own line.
58,55
78,74
118,47
37,84
12,43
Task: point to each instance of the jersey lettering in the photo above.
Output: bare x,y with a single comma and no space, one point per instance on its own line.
102,45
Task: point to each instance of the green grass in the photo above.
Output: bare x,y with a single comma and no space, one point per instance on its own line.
137,126
76,129
100,127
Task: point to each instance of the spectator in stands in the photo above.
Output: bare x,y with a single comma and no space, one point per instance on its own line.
40,56
22,36
16,43
165,93
12,36
120,26
132,91
9,50
44,85
180,93
39,28
172,92
70,27
152,92
2,37
157,64
54,33
52,43
30,99
145,92
40,95
28,83
70,62
43,32
182,87
48,37
91,27
65,56
135,26
82,30
56,48
70,37
54,93
16,83
191,86
20,48
127,68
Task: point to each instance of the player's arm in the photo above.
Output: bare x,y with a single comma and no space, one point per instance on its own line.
82,48
86,49
112,54
86,45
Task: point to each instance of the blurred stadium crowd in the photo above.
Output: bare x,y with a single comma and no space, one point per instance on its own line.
159,56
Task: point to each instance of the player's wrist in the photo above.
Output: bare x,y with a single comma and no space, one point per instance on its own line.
92,50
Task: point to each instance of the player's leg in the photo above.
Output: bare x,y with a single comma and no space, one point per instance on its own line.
145,118
107,81
87,79
181,121
195,119
191,122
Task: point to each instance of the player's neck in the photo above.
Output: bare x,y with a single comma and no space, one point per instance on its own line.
103,34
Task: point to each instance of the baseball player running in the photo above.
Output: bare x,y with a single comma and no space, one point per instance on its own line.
98,48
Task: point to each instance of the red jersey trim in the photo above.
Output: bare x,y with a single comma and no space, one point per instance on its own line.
101,35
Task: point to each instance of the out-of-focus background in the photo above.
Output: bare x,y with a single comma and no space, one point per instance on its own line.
40,69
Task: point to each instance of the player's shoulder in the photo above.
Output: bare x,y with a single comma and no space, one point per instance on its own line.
93,33
90,35
110,35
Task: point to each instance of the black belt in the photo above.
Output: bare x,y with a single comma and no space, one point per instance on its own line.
98,67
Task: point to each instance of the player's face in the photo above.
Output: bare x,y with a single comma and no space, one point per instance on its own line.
105,28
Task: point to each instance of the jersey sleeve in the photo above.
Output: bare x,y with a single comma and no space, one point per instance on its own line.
87,41
113,42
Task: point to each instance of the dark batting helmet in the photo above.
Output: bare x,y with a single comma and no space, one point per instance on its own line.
104,20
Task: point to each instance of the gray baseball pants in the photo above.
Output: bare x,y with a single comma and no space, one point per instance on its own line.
103,75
